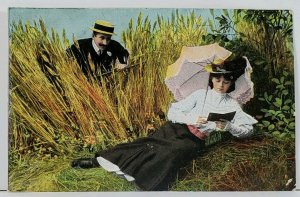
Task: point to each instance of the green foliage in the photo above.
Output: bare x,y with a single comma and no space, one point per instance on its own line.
264,34
273,20
265,37
279,117
270,33
221,28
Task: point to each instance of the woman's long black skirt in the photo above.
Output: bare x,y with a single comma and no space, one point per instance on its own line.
155,160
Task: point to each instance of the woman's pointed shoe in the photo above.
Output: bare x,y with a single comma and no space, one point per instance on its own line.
85,163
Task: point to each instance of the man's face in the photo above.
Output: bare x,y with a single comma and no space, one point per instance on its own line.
102,40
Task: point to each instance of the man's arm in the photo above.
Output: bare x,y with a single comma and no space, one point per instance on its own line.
74,52
120,53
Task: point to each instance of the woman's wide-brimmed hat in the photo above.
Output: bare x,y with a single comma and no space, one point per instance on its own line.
103,27
236,66
191,71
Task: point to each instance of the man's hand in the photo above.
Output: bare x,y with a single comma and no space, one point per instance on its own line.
120,66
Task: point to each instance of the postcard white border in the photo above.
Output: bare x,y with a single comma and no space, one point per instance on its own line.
230,4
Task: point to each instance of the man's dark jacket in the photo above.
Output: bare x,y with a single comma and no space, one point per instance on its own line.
103,62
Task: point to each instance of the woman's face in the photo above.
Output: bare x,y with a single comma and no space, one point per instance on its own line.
220,84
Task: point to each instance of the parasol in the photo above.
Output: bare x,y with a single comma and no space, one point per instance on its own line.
190,72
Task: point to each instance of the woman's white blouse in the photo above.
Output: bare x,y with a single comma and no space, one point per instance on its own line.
202,102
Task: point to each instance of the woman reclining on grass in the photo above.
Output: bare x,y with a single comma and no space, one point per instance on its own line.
153,162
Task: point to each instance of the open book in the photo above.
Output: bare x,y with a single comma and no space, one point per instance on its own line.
217,117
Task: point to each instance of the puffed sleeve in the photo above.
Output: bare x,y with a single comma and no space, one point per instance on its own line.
180,112
242,125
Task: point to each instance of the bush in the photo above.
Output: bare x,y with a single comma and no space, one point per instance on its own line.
279,118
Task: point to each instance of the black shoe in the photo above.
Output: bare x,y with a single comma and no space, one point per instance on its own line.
85,163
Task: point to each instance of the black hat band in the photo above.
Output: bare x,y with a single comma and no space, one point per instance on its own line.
104,28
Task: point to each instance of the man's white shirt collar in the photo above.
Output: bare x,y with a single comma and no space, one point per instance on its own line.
98,51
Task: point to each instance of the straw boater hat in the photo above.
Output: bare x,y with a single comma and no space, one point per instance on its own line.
103,27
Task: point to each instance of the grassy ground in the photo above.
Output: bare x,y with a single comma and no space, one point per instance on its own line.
257,164
57,175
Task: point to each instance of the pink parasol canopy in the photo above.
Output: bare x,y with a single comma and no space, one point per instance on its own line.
190,72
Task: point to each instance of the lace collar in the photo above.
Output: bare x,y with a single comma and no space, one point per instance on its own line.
216,96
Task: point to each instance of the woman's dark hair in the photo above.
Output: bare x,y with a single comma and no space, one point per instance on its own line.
236,67
227,77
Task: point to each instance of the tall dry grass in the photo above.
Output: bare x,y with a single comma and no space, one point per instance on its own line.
53,108
52,104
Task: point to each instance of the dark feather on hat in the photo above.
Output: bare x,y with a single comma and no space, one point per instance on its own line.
234,67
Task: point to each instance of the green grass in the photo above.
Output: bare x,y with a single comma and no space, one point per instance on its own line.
56,175
258,164
95,179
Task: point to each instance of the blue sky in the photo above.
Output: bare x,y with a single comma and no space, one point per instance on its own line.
77,21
